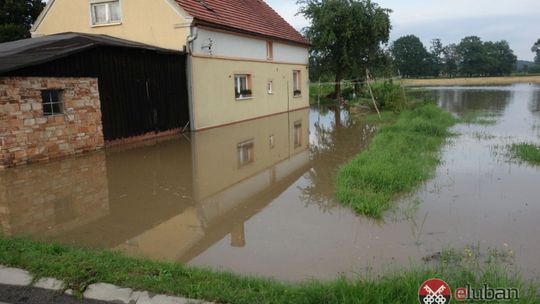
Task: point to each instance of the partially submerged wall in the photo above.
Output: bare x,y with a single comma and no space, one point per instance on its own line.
27,134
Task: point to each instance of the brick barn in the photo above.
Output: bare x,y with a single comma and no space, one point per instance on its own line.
71,93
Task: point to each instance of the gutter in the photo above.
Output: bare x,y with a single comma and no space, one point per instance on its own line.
193,35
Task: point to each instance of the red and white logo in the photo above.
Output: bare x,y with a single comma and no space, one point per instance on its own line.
434,291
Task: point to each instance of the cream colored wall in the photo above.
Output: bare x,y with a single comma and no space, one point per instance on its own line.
214,101
150,22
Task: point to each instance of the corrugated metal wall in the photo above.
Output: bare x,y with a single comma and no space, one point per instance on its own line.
141,91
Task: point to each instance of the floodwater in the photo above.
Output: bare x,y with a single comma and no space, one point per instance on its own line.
257,198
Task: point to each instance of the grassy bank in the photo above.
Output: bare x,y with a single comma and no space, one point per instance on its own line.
471,81
401,156
529,153
80,268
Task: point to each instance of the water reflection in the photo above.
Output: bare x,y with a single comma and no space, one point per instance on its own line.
165,200
466,99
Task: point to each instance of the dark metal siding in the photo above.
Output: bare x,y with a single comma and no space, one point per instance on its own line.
141,91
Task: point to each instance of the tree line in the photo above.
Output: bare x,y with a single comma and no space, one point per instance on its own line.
471,57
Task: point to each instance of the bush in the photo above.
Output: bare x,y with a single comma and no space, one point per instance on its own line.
389,96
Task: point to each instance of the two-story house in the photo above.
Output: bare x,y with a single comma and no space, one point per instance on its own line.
244,60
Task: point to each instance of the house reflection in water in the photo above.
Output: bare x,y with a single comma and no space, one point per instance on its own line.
169,200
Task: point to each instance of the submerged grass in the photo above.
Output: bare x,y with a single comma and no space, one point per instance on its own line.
401,156
82,267
527,152
479,118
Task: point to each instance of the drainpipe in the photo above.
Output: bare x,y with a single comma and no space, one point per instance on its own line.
193,34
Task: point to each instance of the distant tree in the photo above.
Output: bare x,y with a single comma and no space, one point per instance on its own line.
451,60
500,58
472,55
410,56
17,17
436,57
346,36
536,49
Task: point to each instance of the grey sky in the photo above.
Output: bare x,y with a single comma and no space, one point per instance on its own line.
511,20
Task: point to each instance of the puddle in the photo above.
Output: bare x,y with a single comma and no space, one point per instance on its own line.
257,197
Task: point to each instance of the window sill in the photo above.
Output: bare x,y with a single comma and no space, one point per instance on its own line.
244,98
297,96
106,24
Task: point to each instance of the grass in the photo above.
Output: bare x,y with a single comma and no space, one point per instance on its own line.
81,267
401,156
526,152
479,118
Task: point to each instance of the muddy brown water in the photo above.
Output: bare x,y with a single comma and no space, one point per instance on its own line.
257,198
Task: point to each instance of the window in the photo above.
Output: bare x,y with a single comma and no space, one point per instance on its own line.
269,50
242,86
297,87
270,87
52,102
297,134
105,12
245,153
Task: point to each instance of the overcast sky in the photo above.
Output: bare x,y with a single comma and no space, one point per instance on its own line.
518,22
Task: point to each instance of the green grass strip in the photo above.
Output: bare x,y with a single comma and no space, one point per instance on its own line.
400,157
82,267
526,152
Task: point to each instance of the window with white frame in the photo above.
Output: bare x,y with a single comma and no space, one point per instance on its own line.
270,87
245,151
297,85
52,102
269,50
242,86
105,12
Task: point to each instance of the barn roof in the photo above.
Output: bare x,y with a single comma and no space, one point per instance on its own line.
249,16
27,52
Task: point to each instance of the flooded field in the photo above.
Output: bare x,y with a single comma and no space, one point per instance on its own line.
257,198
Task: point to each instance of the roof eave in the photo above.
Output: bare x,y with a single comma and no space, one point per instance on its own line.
200,22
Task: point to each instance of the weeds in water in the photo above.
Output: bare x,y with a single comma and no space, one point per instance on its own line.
400,157
526,152
480,136
79,268
479,118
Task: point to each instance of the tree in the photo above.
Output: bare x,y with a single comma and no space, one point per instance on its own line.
346,35
451,60
410,56
472,55
17,17
500,58
436,58
536,49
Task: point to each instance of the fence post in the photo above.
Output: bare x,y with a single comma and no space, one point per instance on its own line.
371,93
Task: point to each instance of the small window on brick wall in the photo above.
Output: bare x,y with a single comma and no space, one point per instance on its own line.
52,102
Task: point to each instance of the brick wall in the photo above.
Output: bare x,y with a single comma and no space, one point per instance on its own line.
27,135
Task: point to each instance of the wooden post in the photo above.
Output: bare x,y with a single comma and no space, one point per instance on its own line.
371,93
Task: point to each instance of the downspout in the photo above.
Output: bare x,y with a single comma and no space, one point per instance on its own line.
193,34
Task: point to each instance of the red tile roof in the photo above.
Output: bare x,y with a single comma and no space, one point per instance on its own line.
250,16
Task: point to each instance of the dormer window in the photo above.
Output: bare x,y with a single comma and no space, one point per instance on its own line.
105,12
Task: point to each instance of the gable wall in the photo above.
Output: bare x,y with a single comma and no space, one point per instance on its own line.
151,22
